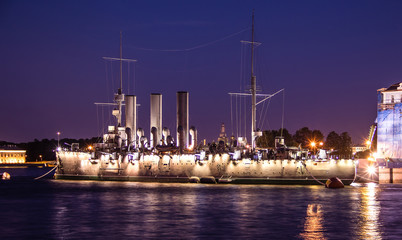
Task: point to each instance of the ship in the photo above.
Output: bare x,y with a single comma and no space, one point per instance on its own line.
126,155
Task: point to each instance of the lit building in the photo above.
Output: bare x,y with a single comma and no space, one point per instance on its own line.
389,133
11,154
359,148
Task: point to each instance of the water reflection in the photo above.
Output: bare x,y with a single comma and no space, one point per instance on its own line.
369,213
133,210
81,210
313,226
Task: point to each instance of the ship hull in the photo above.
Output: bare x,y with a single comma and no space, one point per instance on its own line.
217,168
158,179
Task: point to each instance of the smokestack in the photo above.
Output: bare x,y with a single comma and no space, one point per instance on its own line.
156,119
182,120
131,117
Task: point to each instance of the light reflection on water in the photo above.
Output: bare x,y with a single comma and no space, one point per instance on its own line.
91,210
370,212
313,228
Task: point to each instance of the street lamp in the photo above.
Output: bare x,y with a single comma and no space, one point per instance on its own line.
58,141
313,144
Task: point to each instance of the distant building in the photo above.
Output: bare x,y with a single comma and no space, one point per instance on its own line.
389,132
11,154
359,148
222,134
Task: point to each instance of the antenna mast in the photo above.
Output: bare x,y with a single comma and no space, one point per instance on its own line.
119,96
253,90
121,64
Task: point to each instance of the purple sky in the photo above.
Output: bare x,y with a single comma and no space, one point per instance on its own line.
329,56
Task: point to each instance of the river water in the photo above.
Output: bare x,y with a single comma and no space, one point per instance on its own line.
51,209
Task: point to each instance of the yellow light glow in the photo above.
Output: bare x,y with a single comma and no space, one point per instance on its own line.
371,170
368,142
313,226
312,144
321,143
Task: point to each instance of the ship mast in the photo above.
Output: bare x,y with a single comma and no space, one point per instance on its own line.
253,90
121,64
119,98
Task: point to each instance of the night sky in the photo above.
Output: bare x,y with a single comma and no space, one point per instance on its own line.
329,56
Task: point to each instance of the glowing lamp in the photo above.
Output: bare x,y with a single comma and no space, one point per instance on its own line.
371,170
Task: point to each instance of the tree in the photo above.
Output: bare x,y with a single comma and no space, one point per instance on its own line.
333,141
288,137
46,148
317,136
268,138
345,148
303,136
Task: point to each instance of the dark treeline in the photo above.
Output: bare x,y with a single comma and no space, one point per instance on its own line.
340,143
44,150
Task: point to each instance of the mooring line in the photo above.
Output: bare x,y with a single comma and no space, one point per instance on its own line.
312,175
46,173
